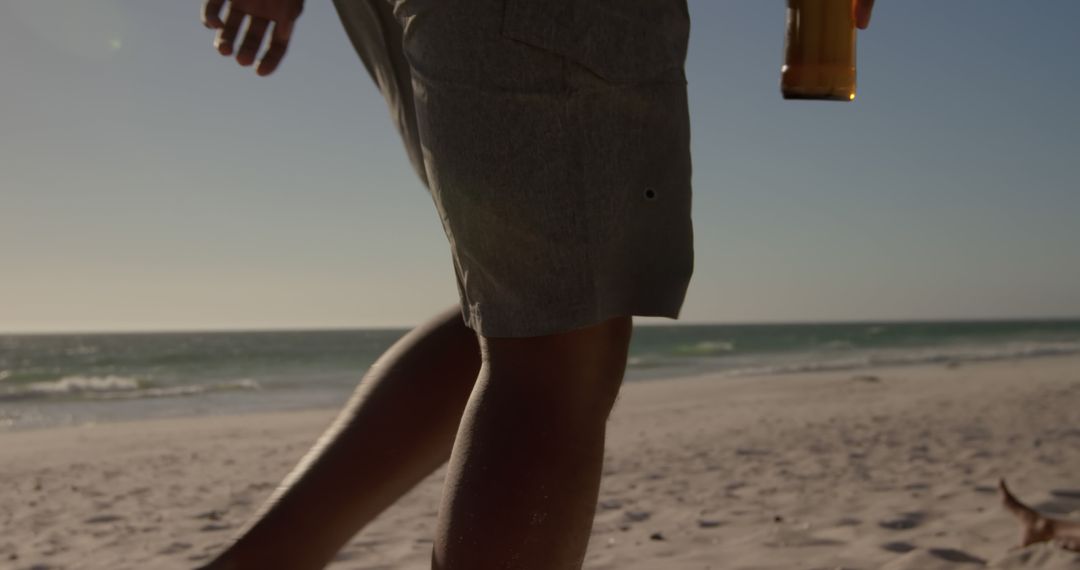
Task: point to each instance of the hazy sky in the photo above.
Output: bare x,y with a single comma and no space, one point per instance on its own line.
148,183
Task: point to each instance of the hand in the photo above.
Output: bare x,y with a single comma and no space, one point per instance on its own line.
258,14
862,13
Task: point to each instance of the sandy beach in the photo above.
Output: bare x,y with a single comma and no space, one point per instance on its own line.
893,469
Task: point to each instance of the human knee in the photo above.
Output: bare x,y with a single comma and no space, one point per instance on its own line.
585,364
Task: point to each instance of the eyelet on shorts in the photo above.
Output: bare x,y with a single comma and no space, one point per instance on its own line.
621,41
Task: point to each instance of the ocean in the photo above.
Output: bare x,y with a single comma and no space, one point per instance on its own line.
73,379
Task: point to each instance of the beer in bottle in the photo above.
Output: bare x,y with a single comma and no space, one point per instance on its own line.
819,51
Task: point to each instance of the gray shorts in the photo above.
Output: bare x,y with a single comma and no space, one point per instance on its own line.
554,139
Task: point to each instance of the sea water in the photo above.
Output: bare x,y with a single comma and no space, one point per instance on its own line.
50,380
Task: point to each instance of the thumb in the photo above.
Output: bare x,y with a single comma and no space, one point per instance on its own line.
862,13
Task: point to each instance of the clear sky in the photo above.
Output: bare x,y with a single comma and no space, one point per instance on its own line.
147,183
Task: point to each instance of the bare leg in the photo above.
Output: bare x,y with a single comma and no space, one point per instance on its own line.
524,476
397,428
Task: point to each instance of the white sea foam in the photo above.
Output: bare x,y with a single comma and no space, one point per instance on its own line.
116,388
647,361
186,390
938,355
707,347
70,384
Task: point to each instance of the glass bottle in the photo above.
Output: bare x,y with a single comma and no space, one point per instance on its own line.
819,50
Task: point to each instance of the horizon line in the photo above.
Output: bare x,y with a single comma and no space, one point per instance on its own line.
672,323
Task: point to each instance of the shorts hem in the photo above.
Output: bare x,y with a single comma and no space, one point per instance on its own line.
535,327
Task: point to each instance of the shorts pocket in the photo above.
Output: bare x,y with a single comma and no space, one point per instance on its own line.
622,41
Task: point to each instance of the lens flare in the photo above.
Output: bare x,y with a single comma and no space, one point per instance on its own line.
92,31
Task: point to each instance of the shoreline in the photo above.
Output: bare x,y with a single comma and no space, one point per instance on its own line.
886,468
70,379
724,376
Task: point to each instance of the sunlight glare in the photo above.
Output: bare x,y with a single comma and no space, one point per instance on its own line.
87,30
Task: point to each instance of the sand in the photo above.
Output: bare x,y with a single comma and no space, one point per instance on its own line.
891,469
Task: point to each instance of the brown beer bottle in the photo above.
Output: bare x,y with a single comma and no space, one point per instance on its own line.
819,50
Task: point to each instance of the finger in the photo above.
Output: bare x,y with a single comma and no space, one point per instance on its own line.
211,13
279,43
863,8
253,40
227,34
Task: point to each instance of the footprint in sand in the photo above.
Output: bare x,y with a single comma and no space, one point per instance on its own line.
103,519
1039,556
905,521
934,558
900,547
798,538
610,504
953,555
175,547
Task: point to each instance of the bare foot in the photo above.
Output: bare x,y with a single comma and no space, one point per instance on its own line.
1038,528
